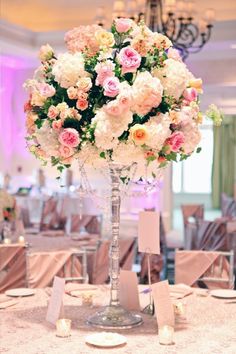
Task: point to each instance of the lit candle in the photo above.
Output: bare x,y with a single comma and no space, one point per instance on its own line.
21,240
63,327
87,299
179,308
7,241
166,334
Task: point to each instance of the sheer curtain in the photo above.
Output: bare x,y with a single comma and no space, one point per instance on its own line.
224,160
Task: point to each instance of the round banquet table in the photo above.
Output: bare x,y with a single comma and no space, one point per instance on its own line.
210,328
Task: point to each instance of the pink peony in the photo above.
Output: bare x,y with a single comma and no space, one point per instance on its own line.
190,94
111,86
57,124
129,59
82,104
69,137
53,112
122,25
175,141
66,151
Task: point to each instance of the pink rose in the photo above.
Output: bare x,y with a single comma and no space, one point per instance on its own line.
82,95
46,90
129,59
111,86
124,100
175,141
66,151
53,112
82,104
104,70
122,25
57,124
69,137
113,108
190,94
72,93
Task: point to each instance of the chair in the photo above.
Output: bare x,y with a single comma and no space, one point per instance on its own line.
91,223
193,214
51,219
204,268
12,267
43,266
228,206
212,236
215,274
100,273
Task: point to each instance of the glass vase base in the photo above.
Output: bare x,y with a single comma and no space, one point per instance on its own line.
115,317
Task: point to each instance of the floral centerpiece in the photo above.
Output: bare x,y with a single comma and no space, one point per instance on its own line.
117,99
123,96
7,206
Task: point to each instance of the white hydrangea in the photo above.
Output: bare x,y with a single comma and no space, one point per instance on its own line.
147,93
109,128
48,139
68,69
158,131
127,153
192,137
89,154
174,77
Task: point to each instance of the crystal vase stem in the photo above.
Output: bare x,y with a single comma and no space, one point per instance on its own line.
114,249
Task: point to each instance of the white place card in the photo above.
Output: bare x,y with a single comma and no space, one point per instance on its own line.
128,290
55,305
163,305
149,232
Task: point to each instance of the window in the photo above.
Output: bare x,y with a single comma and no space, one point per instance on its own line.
194,174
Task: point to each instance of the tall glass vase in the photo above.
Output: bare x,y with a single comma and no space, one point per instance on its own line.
115,316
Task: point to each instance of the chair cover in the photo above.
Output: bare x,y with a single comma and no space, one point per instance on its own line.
212,236
89,222
193,214
190,266
228,206
51,218
12,267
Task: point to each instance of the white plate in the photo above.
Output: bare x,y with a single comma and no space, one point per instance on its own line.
223,293
106,339
20,292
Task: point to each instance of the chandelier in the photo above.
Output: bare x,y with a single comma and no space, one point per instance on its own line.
175,18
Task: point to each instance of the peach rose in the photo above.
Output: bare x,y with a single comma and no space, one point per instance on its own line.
104,38
197,84
57,124
84,84
72,93
82,104
53,112
139,134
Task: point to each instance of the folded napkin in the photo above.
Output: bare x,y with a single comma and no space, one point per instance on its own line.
73,288
6,302
179,291
53,233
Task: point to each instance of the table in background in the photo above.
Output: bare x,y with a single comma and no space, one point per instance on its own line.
211,328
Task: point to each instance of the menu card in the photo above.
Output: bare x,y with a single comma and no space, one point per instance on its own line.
149,232
128,290
56,301
163,305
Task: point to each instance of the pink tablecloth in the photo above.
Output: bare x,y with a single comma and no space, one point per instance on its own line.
210,328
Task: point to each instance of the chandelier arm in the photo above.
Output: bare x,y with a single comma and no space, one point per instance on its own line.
169,27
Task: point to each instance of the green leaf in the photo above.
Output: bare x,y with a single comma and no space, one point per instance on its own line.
60,168
102,155
39,123
199,149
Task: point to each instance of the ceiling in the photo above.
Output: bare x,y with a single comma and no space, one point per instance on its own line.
48,15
